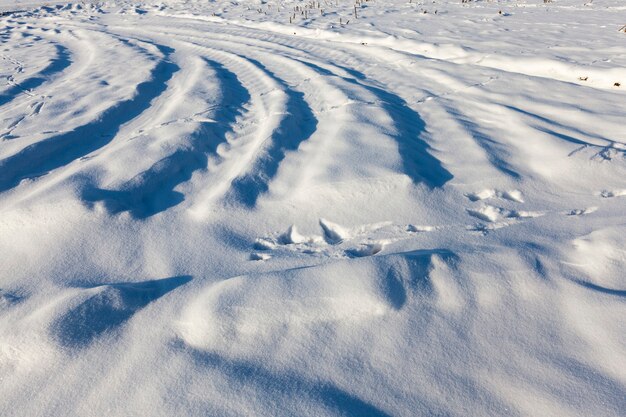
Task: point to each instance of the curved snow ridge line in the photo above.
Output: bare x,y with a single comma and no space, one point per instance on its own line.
99,310
298,48
60,95
260,118
282,110
264,113
292,71
84,53
73,317
100,92
534,67
78,53
255,309
376,108
332,106
52,153
57,65
297,125
359,111
496,152
153,190
407,128
303,49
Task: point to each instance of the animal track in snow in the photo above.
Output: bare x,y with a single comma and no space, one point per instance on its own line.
35,110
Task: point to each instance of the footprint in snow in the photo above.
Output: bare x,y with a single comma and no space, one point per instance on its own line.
581,212
492,214
256,256
497,217
512,195
411,228
483,228
613,193
334,241
8,299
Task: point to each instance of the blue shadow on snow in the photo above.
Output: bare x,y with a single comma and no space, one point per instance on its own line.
109,308
152,191
49,154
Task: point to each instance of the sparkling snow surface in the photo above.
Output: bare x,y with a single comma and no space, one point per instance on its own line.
276,208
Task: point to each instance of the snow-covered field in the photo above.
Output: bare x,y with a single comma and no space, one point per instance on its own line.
227,208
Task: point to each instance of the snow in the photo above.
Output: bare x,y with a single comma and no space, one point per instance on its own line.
275,208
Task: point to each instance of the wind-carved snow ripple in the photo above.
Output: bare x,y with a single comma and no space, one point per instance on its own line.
152,191
496,152
299,124
418,163
49,154
407,127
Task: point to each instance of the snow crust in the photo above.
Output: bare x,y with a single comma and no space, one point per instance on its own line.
277,208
